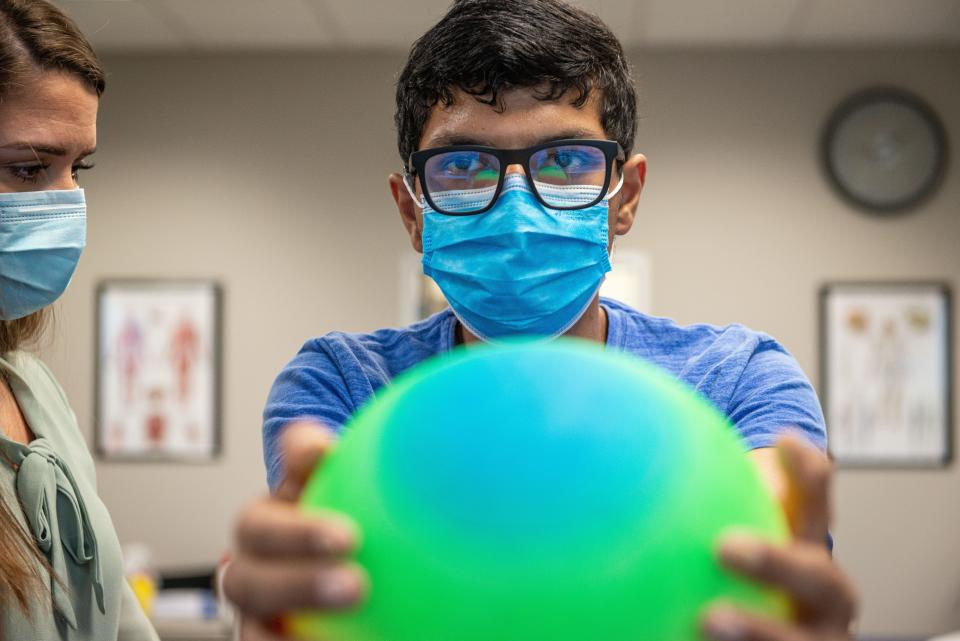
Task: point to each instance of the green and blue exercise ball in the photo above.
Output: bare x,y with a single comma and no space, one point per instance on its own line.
540,492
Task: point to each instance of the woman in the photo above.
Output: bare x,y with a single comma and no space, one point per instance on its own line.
61,574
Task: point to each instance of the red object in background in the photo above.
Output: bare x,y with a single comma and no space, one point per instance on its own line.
156,425
156,429
184,351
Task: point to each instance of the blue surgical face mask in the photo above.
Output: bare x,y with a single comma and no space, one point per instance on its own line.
42,235
520,269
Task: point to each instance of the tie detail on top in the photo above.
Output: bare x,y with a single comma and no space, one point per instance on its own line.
58,518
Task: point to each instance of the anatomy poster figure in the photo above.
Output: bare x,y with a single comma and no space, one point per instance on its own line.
184,351
157,383
156,423
129,354
886,373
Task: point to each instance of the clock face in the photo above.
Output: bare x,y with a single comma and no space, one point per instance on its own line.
884,151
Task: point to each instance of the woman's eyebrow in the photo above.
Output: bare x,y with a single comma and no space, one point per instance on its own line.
45,149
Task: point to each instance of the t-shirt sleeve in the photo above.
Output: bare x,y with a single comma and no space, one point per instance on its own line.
774,396
310,387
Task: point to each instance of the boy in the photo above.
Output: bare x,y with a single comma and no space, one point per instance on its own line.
516,124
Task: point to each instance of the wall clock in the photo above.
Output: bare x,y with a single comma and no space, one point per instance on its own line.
884,151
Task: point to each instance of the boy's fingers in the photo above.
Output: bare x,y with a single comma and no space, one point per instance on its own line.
253,630
265,589
302,446
725,623
804,570
808,489
274,528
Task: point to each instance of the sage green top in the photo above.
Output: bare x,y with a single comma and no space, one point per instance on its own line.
54,483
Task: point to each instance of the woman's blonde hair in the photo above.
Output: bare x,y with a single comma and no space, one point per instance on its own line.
35,36
23,332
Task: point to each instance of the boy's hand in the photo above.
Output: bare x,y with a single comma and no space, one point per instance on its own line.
285,559
823,596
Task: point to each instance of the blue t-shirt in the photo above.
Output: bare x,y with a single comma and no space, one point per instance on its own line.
746,374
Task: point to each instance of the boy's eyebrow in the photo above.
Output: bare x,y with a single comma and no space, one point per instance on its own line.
453,139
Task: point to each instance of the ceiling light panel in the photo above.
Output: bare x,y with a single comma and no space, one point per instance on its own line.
121,25
623,18
698,23
249,24
882,22
380,24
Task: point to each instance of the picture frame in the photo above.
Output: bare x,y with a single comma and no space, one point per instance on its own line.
886,373
158,363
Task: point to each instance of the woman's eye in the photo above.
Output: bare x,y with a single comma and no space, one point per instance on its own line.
27,173
81,167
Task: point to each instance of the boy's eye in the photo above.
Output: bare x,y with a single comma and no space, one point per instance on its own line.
461,163
570,160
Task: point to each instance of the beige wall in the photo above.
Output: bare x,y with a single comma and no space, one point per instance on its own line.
268,173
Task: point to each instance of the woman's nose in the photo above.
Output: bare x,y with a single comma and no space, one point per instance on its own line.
63,180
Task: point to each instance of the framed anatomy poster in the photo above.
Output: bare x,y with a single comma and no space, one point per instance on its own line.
886,373
158,370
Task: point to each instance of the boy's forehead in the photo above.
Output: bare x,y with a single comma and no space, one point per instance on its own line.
520,120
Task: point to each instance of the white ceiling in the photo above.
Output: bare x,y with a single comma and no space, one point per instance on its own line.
231,25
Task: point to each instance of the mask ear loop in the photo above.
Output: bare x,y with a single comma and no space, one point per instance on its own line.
615,189
421,201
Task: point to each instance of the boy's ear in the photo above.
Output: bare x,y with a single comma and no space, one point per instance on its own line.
634,177
410,214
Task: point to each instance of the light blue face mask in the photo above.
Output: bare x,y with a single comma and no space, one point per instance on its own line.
42,235
520,269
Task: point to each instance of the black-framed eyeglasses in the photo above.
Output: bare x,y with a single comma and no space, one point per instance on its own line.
465,180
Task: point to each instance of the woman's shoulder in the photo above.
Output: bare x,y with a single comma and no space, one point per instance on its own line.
26,363
47,409
38,376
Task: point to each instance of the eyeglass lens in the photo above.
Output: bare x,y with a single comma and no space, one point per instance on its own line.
565,176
